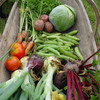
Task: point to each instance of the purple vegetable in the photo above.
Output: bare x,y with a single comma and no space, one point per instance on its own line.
60,80
69,66
35,61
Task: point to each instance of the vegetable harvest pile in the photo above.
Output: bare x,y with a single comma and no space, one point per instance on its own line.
45,61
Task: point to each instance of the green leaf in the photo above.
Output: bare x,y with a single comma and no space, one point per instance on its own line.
94,97
98,57
97,76
94,63
98,90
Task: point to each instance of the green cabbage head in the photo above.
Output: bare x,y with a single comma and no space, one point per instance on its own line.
62,17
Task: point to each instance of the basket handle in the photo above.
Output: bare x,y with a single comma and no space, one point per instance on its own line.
97,20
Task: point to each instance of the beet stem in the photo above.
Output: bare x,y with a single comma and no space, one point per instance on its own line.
73,86
87,66
89,58
91,78
69,91
81,97
86,81
91,69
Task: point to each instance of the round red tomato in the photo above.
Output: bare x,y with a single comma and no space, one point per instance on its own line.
17,50
12,63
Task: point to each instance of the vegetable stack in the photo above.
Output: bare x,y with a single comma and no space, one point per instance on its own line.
54,68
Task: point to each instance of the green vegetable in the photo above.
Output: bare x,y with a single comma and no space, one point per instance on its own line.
65,42
51,64
65,57
52,50
45,54
62,17
67,53
69,40
17,95
73,32
72,37
23,96
12,85
78,53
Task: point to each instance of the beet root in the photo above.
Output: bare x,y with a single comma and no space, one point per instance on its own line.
60,80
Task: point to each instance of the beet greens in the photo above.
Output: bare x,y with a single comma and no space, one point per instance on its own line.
78,77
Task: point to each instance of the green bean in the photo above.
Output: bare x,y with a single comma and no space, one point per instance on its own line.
50,42
69,40
65,57
40,47
73,32
78,53
67,48
53,46
51,34
65,42
52,50
44,50
52,37
67,53
44,54
72,37
39,41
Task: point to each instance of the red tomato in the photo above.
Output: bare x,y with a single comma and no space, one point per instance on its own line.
17,50
12,63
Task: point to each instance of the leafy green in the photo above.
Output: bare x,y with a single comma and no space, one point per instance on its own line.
94,97
96,62
97,76
42,7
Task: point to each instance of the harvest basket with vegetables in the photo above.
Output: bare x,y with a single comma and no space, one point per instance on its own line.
47,60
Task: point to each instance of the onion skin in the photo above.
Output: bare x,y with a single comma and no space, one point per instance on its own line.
35,61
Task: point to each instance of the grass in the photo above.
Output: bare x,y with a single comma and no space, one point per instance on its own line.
3,21
91,16
4,12
90,11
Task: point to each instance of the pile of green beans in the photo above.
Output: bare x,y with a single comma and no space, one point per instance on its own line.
58,45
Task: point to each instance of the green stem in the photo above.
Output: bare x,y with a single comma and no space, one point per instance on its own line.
26,25
9,50
34,33
23,15
41,8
